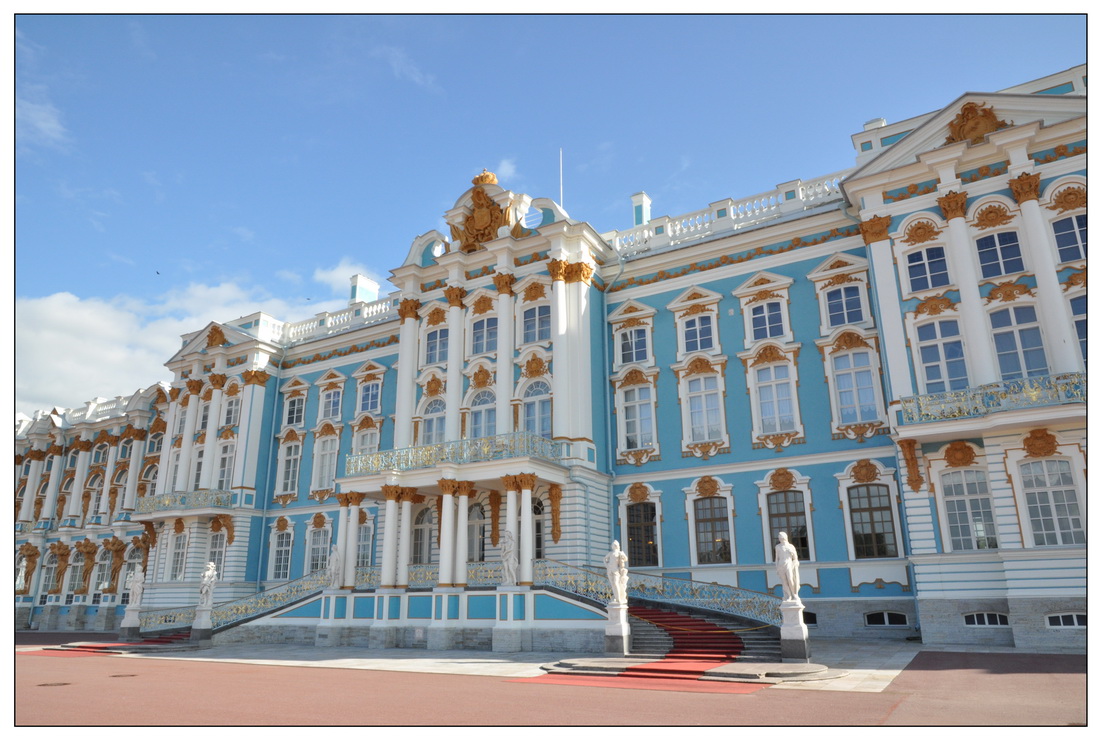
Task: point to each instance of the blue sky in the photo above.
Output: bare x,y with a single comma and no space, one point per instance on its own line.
173,170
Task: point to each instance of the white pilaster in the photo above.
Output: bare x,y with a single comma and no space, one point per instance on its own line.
390,524
164,467
210,444
187,444
246,453
133,473
981,365
505,352
54,486
892,334
562,357
352,552
447,539
108,475
34,480
456,350
461,535
527,531
408,352
405,541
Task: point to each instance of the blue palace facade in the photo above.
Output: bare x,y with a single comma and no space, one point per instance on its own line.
887,362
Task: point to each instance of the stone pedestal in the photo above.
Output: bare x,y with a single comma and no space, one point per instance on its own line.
202,629
105,618
794,643
617,633
130,629
511,632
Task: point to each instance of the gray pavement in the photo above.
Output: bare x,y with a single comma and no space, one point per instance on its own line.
868,665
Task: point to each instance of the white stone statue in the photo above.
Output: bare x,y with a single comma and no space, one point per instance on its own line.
787,568
616,565
509,562
336,573
21,575
206,586
135,582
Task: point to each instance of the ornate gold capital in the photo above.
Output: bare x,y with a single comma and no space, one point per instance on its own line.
194,386
217,380
409,308
510,483
455,295
875,229
1025,187
448,486
557,269
503,282
355,498
579,272
255,378
953,205
526,480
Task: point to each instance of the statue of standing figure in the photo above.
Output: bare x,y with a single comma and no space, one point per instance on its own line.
336,572
206,586
615,562
787,568
135,582
21,576
509,560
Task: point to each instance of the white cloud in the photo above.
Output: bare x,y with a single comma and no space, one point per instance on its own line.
403,67
506,169
38,123
338,277
289,275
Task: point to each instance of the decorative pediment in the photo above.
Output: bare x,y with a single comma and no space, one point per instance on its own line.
631,313
761,285
210,337
837,269
369,371
694,301
294,387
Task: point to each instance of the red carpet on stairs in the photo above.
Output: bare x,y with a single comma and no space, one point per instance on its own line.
698,645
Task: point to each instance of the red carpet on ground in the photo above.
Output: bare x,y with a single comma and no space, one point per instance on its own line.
645,683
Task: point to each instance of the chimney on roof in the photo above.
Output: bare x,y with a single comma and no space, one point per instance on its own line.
641,204
363,289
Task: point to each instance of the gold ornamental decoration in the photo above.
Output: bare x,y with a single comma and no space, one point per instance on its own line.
778,441
1005,292
959,454
217,380
39,502
698,366
112,499
706,450
255,378
63,552
494,516
1074,280
434,386
848,341
914,478
482,305
318,521
481,379
707,486
973,123
1068,199
367,423
143,543
409,308
392,492
579,272
117,549
875,229
178,527
638,492
485,218
557,269
223,522
281,524
781,480
991,216
321,495
327,430
934,306
194,386
764,295
215,337
634,377
865,471
86,548
535,367
534,292
1040,444
1025,187
554,494
526,481
695,309
174,393
455,295
769,354
921,231
503,283
436,316
953,205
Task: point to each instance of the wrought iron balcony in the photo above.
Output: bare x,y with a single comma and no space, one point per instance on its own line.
203,499
978,401
498,447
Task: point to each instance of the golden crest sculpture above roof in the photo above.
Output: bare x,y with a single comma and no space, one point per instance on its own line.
485,218
972,123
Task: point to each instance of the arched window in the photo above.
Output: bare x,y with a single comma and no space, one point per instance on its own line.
476,534
125,447
154,445
483,414
642,548
71,460
433,422
49,576
422,540
99,454
149,478
537,409
76,572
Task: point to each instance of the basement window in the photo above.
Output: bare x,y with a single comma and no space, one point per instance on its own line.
885,618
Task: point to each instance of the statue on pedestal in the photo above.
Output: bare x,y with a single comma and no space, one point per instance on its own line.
787,568
206,586
336,572
509,562
615,562
135,582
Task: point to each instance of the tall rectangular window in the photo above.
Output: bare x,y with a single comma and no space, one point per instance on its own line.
291,456
281,556
435,349
855,382
225,465
927,268
1070,237
198,470
1018,344
364,542
369,397
1052,501
704,409
999,254
634,345
940,351
295,409
537,324
873,525
484,336
319,550
217,554
712,530
843,306
787,513
324,465
774,399
330,404
642,545
232,411
698,333
179,556
1078,309
638,417
970,513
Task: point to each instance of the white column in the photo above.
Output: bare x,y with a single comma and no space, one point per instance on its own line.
187,444
34,480
562,356
405,540
447,533
408,352
164,467
511,487
80,475
506,344
527,529
352,554
461,536
133,473
390,537
982,366
247,451
56,471
1061,341
342,537
210,445
108,474
581,332
456,353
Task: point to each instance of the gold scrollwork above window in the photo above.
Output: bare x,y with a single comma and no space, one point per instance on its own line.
1069,199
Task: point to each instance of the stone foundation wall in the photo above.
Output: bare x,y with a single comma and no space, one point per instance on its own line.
1028,621
299,635
942,622
845,618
